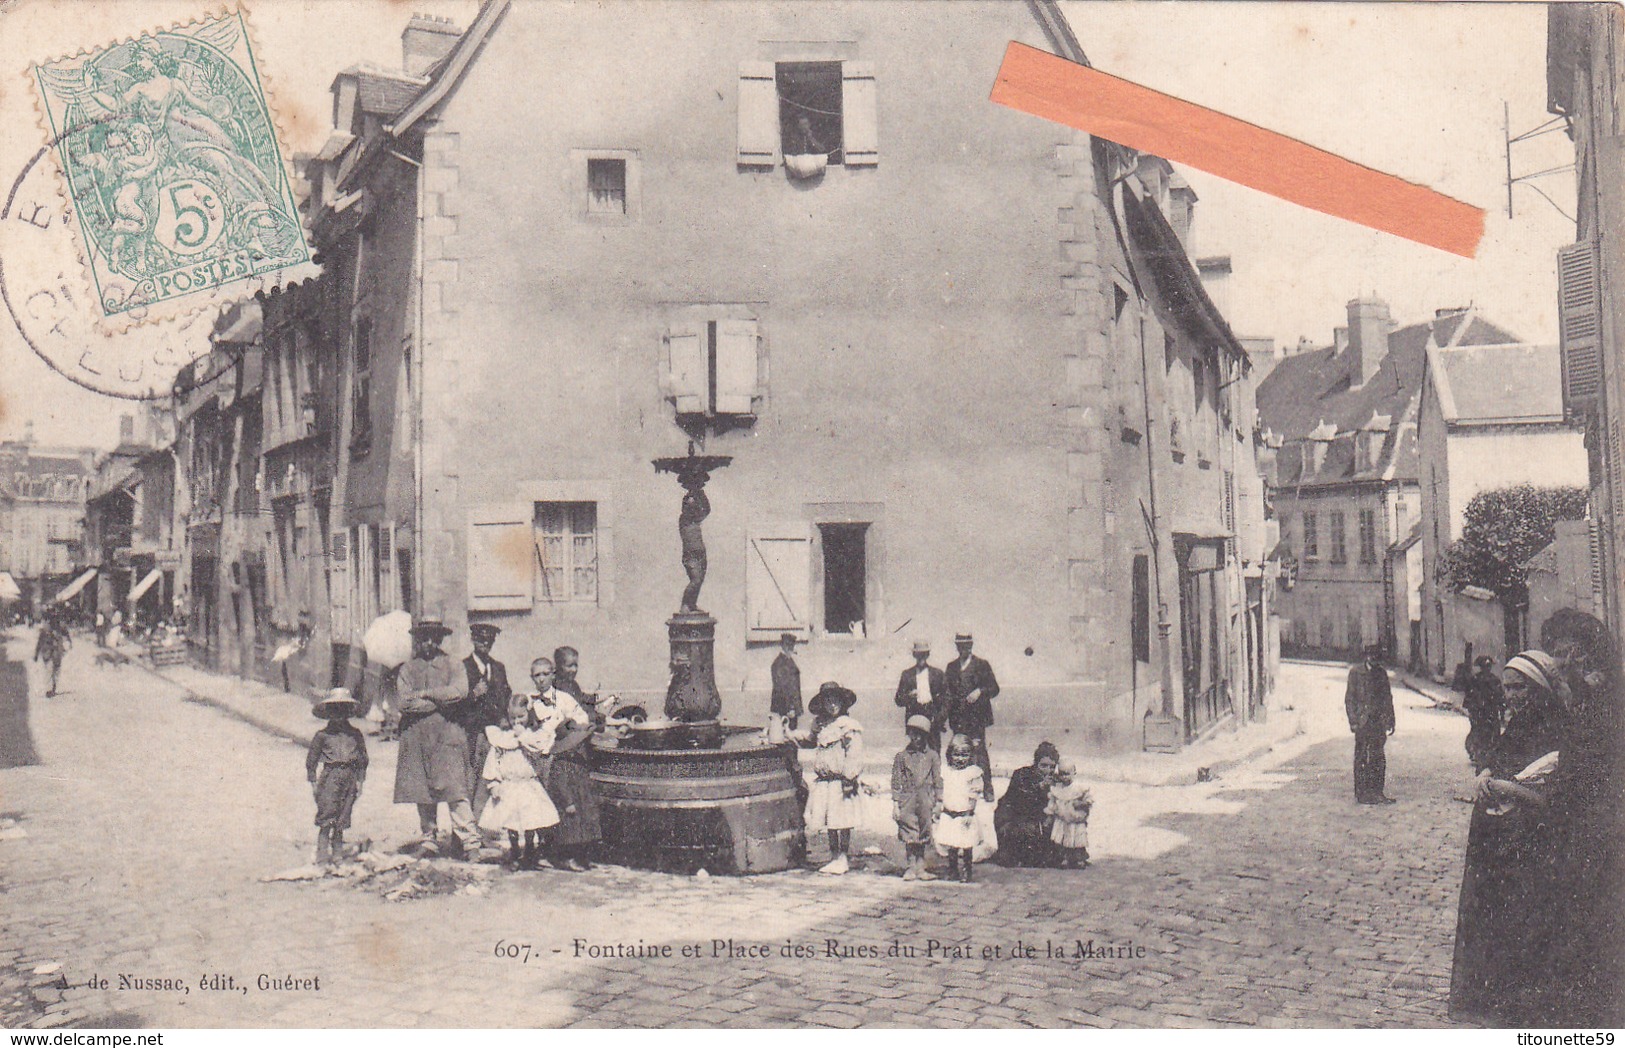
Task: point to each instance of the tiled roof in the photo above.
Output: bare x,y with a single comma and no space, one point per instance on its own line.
1501,383
1309,390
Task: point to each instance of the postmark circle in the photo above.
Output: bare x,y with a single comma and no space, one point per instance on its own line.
45,293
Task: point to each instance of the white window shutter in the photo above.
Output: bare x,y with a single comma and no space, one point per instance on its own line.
758,115
860,137
501,557
736,366
778,581
1579,320
690,375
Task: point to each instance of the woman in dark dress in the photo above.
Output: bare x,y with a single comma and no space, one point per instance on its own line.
1502,929
1588,812
1019,821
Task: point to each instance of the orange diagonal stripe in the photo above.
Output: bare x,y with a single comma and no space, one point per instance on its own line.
1044,85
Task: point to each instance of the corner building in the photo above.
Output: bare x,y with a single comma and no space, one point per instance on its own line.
965,369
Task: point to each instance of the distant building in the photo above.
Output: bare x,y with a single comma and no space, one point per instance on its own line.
42,514
1491,417
1345,480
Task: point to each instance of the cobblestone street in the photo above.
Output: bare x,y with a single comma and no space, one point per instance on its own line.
1265,897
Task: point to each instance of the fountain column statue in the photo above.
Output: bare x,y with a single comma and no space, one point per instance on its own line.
692,694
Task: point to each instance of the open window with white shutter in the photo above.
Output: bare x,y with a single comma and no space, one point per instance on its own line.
1579,319
778,581
737,355
758,115
860,139
688,375
501,557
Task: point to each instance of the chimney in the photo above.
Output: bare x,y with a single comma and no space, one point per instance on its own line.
28,432
1182,210
425,41
1215,275
1340,339
126,429
1369,324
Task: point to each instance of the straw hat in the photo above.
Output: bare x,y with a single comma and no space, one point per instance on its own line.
338,705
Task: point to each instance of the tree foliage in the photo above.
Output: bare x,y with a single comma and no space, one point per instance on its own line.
1502,529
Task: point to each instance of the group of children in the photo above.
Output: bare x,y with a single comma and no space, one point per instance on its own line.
516,803
934,798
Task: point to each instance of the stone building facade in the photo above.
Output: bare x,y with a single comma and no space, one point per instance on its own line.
966,372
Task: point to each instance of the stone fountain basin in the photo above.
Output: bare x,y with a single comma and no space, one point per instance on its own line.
735,807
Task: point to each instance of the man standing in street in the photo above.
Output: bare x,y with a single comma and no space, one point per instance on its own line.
1369,703
432,768
971,691
922,691
786,700
486,704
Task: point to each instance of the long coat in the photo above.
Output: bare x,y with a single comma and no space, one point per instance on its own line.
786,699
1369,701
934,707
475,715
433,763
970,718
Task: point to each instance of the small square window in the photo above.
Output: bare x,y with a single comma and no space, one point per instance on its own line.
810,109
606,186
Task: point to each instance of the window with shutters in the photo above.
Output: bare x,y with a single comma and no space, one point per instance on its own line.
1579,322
778,582
809,115
714,368
1311,537
1368,536
1340,551
566,552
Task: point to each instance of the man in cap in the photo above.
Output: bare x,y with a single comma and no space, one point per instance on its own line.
922,691
432,768
971,690
1369,703
485,704
786,700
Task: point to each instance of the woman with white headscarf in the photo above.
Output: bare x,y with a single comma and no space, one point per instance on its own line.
1501,924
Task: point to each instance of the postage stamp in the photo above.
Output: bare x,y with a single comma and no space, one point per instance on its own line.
174,174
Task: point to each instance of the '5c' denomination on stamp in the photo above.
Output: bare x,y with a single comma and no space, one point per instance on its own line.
173,170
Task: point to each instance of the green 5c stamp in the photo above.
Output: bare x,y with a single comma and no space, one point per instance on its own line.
174,174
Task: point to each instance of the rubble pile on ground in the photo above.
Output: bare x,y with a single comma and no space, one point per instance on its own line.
397,877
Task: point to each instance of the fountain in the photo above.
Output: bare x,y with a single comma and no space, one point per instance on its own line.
684,791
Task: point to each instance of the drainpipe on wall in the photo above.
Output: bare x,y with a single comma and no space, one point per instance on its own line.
1163,729
420,541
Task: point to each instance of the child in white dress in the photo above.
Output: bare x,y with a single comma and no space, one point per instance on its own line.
957,833
519,803
833,801
1070,803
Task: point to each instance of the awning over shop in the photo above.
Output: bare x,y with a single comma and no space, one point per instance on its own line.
145,584
76,585
8,587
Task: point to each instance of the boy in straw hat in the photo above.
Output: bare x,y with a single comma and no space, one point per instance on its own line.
336,767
